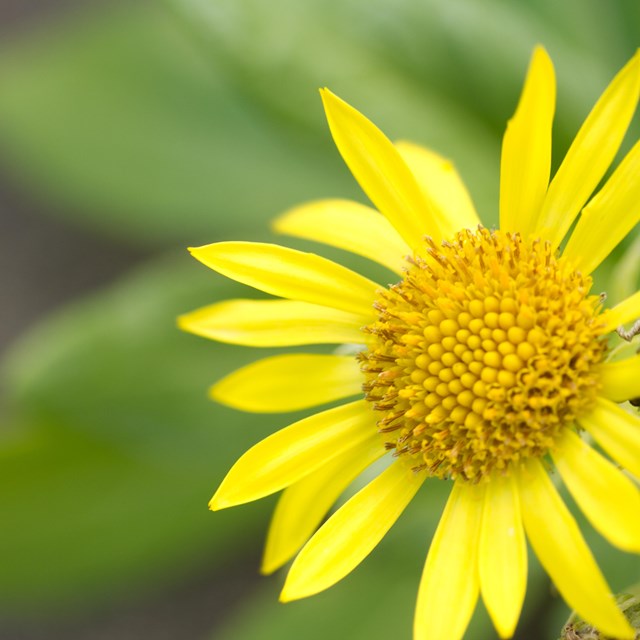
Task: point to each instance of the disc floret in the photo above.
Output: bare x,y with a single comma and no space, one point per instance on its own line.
485,351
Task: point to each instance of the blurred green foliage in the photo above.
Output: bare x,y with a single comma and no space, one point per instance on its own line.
116,448
195,120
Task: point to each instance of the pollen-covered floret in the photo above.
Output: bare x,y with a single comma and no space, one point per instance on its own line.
486,349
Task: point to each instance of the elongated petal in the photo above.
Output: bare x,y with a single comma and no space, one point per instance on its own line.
347,225
442,185
502,559
562,551
275,323
290,274
449,586
626,311
291,453
617,432
526,148
290,382
590,154
620,380
381,172
351,533
608,217
609,499
304,504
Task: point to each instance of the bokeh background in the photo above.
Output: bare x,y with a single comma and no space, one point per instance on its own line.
130,130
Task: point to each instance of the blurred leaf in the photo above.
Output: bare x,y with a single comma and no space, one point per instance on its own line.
445,72
116,118
193,122
196,121
127,120
625,278
115,449
112,449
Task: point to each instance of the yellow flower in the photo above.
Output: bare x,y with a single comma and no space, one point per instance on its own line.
486,358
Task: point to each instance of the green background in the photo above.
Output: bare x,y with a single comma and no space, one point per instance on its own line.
142,128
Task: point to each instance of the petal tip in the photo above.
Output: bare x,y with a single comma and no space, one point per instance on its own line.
219,501
506,632
279,223
182,322
295,587
267,567
540,51
197,252
626,632
285,595
187,322
330,100
214,393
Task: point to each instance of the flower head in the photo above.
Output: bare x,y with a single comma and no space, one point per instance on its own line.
484,363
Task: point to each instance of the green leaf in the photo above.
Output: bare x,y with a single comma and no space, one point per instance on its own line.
195,118
129,121
111,449
119,122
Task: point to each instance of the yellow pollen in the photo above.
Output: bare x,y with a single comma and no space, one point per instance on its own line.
485,351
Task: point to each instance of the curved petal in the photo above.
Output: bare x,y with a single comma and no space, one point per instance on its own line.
608,217
620,380
381,172
442,185
626,311
448,589
304,504
526,148
275,323
290,382
502,559
609,499
617,432
290,274
293,452
352,532
590,154
562,551
347,225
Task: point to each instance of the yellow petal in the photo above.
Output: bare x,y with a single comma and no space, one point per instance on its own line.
381,172
290,382
617,432
449,586
275,323
347,225
608,217
620,380
352,532
590,154
562,551
626,311
290,274
303,505
609,499
293,452
526,148
502,558
442,185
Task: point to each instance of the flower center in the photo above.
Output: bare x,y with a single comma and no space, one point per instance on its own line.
485,351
